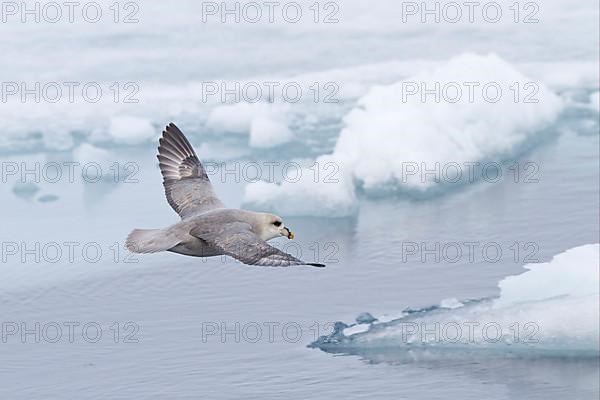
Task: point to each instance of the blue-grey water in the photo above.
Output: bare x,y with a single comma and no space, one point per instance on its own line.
181,327
169,297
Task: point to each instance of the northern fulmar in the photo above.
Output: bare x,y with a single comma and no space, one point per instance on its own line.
207,228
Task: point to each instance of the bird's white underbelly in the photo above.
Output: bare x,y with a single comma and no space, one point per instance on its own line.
195,247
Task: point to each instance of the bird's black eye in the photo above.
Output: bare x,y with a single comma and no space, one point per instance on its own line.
277,223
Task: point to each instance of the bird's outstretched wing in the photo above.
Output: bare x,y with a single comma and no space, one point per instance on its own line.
186,183
236,239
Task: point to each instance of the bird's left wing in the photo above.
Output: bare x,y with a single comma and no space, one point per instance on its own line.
236,239
186,183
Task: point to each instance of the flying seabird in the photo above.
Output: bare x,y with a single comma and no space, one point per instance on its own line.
207,228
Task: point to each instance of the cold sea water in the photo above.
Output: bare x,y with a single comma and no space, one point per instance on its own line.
510,250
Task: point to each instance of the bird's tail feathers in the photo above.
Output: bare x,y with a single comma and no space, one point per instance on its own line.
149,241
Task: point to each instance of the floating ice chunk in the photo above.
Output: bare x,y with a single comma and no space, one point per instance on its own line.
451,303
365,318
233,118
389,133
551,308
563,75
265,123
306,197
88,153
268,132
131,130
389,128
96,163
25,190
354,329
573,273
56,139
390,317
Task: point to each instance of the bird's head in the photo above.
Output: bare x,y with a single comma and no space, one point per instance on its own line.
273,227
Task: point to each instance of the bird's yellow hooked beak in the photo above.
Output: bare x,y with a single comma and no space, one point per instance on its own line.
290,235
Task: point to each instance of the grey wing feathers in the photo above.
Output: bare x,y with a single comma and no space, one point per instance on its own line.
239,241
187,187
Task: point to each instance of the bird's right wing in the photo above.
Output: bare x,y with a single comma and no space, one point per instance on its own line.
236,239
186,183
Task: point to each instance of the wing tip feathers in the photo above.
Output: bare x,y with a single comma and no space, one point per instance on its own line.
316,265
